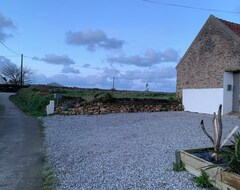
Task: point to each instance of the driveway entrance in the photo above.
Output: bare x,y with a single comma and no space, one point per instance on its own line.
20,148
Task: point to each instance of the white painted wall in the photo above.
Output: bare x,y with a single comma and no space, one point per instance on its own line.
227,95
205,100
50,107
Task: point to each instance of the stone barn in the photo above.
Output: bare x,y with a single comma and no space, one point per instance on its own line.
209,73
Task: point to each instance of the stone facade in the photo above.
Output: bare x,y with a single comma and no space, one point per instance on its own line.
215,49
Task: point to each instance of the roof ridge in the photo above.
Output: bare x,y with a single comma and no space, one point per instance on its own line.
228,21
235,27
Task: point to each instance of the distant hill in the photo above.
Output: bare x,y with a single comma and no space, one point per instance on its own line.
54,84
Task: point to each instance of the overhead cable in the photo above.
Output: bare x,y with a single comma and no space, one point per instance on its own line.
191,7
9,49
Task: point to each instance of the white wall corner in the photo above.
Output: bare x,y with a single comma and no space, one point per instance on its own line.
50,107
205,100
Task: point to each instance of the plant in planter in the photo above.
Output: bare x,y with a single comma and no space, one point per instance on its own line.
221,163
232,156
217,129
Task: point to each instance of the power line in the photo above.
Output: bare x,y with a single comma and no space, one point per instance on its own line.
11,56
191,7
28,57
9,49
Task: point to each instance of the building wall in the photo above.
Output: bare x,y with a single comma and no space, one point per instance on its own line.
202,100
215,49
227,94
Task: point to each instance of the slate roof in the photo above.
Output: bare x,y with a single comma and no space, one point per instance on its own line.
233,26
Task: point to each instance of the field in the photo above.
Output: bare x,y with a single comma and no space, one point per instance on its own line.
88,94
34,99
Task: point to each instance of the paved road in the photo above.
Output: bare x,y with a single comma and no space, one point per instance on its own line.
20,148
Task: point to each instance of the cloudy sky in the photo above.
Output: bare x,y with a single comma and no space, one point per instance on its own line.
85,43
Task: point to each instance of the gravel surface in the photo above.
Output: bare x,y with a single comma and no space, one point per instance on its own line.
125,150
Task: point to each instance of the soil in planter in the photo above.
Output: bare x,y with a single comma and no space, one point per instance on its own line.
207,155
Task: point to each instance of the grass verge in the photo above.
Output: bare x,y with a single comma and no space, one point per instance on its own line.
48,178
32,101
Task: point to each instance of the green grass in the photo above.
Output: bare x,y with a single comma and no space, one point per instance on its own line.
49,180
31,101
178,167
203,181
89,94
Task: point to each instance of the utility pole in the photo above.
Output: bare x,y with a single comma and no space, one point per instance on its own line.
21,74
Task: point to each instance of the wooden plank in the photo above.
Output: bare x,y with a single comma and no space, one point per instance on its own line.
213,181
200,164
231,179
201,149
219,178
197,150
193,160
192,170
222,186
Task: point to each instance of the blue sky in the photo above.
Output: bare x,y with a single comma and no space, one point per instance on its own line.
85,43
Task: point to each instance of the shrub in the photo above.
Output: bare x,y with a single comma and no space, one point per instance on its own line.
103,96
30,101
232,156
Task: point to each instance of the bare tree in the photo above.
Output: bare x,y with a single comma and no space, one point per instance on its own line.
12,73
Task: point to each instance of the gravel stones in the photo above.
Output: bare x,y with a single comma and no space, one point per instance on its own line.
125,150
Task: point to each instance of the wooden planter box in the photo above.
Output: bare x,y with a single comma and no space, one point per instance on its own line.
218,177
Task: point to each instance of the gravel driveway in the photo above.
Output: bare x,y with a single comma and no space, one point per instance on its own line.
125,150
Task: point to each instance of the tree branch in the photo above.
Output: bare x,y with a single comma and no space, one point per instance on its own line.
205,131
220,127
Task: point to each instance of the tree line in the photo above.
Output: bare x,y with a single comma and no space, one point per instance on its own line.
11,74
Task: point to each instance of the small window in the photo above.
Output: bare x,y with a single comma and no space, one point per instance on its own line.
229,87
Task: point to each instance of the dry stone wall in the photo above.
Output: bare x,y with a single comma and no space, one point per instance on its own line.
120,106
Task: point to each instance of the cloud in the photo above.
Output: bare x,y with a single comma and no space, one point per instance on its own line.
151,76
111,72
90,81
150,58
93,39
5,61
56,59
163,79
68,69
87,65
6,24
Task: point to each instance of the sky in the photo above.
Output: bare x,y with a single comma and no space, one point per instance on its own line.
85,43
